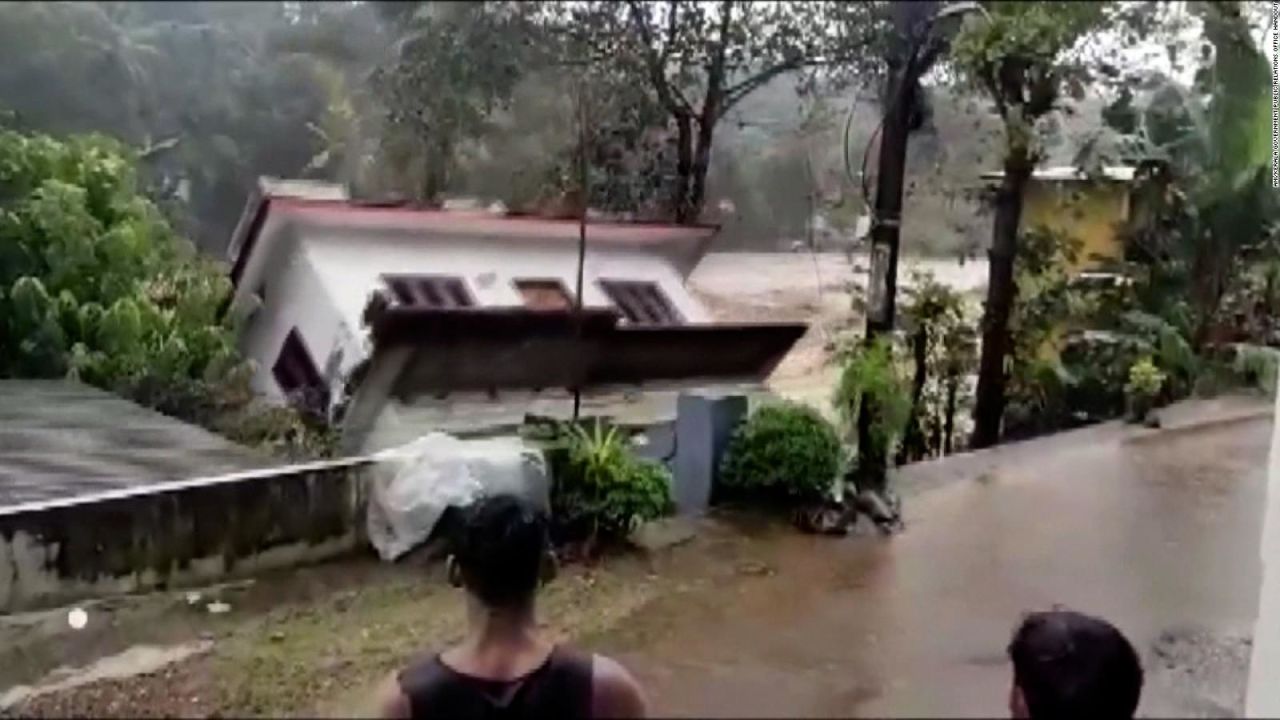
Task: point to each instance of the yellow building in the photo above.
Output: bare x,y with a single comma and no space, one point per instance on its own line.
1091,210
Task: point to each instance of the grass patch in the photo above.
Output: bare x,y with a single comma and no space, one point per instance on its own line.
330,654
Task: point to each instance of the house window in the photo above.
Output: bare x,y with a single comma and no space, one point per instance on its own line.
296,374
641,303
544,294
429,291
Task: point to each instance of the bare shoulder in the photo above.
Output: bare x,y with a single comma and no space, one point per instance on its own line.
391,701
615,692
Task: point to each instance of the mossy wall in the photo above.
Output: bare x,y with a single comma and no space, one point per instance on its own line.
178,534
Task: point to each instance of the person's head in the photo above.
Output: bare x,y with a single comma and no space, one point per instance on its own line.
1069,665
500,552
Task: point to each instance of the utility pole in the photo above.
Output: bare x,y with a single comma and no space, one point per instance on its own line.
914,24
583,202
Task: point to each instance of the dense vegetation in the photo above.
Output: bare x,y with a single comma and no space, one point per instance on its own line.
601,491
95,286
785,453
1203,227
213,94
1193,299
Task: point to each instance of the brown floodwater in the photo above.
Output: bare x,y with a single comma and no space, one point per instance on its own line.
1158,533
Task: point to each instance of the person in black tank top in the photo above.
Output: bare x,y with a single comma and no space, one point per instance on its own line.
558,688
504,668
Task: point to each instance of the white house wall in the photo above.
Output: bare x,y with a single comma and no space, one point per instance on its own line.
295,296
318,280
352,267
481,414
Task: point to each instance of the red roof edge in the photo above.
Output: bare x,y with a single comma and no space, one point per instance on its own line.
356,206
266,202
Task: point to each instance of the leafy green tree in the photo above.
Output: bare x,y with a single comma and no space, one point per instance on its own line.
871,376
1021,55
697,61
94,281
530,150
73,67
341,46
1206,202
452,65
94,285
199,87
938,337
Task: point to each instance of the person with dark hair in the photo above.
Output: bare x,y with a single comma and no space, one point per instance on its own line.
1070,665
504,668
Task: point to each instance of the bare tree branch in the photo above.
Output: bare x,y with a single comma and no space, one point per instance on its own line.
736,92
745,87
715,68
152,150
670,97
672,6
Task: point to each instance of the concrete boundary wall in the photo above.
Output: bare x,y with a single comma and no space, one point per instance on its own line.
1262,698
178,533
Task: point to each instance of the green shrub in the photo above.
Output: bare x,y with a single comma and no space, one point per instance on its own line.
1143,389
1038,398
870,371
1096,367
785,451
1145,379
599,488
1257,367
1168,349
1241,366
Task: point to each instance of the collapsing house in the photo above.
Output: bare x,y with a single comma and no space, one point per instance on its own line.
398,321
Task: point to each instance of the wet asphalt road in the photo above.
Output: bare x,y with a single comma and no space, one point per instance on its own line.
1159,533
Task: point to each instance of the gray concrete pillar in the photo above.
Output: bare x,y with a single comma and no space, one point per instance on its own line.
705,422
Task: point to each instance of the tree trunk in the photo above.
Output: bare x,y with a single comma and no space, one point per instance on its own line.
990,395
701,165
870,470
436,177
949,419
684,170
935,436
913,439
1207,277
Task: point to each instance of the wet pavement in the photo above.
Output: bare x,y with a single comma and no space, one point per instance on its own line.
1158,532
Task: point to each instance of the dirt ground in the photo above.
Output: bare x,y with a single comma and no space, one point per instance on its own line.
314,641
